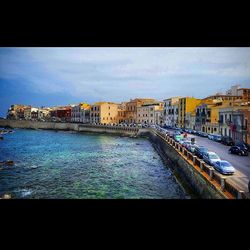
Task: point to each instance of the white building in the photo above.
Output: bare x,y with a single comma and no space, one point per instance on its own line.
233,90
43,113
159,117
150,113
171,111
80,113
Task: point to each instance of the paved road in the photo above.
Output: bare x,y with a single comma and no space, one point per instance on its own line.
240,163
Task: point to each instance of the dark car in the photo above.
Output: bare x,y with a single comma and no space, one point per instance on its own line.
238,150
203,134
216,138
243,145
199,151
227,140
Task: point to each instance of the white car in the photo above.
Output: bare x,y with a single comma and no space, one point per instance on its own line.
211,157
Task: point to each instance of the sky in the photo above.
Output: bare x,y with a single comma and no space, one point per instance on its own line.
60,76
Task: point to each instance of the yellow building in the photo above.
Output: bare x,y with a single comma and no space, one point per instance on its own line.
186,105
104,113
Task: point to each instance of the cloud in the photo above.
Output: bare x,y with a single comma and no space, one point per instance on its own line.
121,73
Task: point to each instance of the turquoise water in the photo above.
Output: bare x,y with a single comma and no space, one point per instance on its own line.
67,165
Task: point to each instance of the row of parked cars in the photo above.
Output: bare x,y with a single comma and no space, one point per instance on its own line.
239,148
211,158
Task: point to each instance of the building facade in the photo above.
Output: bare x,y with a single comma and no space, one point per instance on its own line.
44,114
186,105
132,106
80,113
234,122
190,120
16,111
150,114
62,114
122,112
104,113
171,111
244,93
30,113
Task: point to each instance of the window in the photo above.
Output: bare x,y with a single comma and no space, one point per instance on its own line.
109,114
221,118
109,107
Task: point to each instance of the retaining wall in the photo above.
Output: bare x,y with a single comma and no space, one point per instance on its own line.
200,177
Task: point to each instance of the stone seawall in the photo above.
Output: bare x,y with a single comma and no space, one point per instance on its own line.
38,125
187,174
199,176
69,126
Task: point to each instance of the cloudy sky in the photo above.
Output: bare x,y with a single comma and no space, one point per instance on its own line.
58,76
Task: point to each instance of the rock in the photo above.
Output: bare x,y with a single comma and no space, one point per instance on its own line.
9,163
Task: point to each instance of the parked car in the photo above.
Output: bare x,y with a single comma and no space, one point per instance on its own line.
177,138
182,141
224,167
200,150
243,145
203,134
171,135
227,140
186,143
238,150
216,138
210,136
210,157
199,133
191,147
